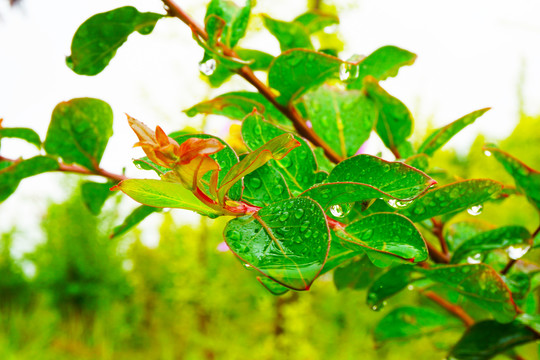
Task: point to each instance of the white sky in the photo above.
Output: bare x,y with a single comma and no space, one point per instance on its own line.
470,55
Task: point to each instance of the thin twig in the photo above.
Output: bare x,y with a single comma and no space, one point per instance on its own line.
451,308
437,256
438,232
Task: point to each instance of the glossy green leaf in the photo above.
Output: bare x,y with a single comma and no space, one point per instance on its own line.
133,219
272,286
339,253
480,284
386,236
235,20
418,161
343,119
259,60
96,41
488,338
237,105
519,285
356,274
382,63
451,198
395,122
439,137
287,241
163,194
12,174
322,161
264,186
412,322
21,133
316,20
291,35
389,284
95,194
490,240
299,168
457,233
79,131
526,178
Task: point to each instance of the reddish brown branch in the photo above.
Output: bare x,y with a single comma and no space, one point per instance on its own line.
437,256
451,308
438,232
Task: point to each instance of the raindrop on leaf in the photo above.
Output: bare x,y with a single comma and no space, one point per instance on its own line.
474,259
348,72
284,216
515,252
299,213
487,153
475,209
208,67
255,183
340,210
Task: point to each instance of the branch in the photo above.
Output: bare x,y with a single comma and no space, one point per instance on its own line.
451,308
299,124
438,232
437,256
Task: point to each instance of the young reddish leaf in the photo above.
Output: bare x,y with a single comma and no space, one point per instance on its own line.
79,131
287,241
451,198
20,133
526,178
96,41
133,219
439,137
291,35
277,149
95,194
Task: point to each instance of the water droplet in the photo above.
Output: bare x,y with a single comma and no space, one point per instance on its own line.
286,162
475,210
474,259
284,216
419,209
516,252
366,235
454,194
234,235
278,189
330,29
487,153
340,210
247,266
307,234
348,72
410,287
299,213
304,226
208,67
396,204
255,182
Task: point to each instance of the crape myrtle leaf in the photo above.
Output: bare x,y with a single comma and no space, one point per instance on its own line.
163,194
356,274
406,149
264,186
96,41
95,194
439,137
272,286
235,20
490,240
344,119
457,233
226,159
287,241
382,63
526,178
299,168
412,322
396,179
291,35
519,284
79,131
395,122
21,133
531,320
389,284
418,161
488,338
237,105
11,174
386,237
322,161
480,284
339,253
277,149
259,59
316,20
133,219
451,198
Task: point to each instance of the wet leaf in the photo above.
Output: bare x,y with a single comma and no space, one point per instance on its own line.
343,119
316,20
133,219
457,233
95,194
291,35
412,322
163,194
488,338
21,133
287,241
451,198
339,253
357,274
480,284
96,41
272,286
519,285
265,186
490,240
235,20
439,137
79,131
389,284
11,174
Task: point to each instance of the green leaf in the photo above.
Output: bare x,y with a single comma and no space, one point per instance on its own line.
382,63
491,240
412,322
163,194
299,168
386,237
439,137
264,186
526,178
79,131
291,35
133,219
357,274
145,163
316,20
387,285
96,41
488,338
259,59
12,174
237,105
235,21
418,161
272,286
395,122
287,241
339,253
94,195
344,119
480,284
451,198
21,133
459,232
519,285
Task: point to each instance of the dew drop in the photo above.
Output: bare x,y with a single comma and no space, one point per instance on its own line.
336,210
307,234
366,235
396,204
418,210
474,259
208,67
234,235
515,252
247,266
475,210
410,287
284,216
304,226
487,153
299,213
286,162
255,182
277,190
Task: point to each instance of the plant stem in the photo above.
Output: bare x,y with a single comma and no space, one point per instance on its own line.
299,124
437,256
451,308
438,232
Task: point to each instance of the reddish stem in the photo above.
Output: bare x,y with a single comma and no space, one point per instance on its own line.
438,232
451,308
